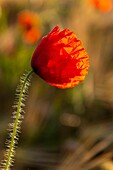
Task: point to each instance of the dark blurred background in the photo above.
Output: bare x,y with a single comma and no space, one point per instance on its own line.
68,129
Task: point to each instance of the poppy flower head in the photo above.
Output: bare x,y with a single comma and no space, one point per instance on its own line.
102,5
28,19
60,59
32,35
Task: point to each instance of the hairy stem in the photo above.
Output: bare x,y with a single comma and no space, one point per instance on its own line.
16,125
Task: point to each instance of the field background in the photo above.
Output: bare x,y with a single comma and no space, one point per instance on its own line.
63,129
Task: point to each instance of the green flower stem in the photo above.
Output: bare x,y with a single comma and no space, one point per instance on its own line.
8,160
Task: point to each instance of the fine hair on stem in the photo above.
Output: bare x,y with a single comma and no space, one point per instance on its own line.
15,127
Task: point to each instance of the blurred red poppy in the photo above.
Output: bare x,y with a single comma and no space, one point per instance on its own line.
32,35
103,5
60,59
29,21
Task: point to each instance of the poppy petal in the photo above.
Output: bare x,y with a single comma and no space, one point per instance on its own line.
60,59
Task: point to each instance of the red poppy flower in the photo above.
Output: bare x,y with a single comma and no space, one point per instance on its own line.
32,35
28,19
103,5
60,59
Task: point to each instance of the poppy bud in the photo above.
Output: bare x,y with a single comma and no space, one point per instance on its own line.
60,59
